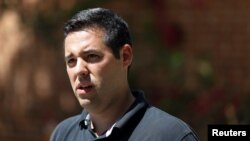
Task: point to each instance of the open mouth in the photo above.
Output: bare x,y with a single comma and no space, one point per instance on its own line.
85,87
82,89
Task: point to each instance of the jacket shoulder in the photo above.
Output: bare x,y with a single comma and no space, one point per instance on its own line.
161,125
64,128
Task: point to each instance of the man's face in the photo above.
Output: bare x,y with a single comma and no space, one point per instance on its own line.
96,76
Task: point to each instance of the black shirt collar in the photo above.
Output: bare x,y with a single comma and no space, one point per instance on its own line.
136,109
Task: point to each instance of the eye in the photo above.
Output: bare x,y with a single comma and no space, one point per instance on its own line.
71,62
92,58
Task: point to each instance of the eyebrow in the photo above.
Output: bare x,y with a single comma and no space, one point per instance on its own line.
84,52
90,51
68,57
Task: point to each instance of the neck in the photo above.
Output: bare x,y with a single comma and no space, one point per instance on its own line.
104,120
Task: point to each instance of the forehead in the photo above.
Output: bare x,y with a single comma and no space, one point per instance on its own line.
82,41
82,34
83,37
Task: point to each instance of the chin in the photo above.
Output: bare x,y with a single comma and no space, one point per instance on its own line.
84,103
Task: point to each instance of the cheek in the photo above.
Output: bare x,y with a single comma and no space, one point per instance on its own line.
70,75
111,72
102,72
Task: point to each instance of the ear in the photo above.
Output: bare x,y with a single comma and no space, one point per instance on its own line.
126,55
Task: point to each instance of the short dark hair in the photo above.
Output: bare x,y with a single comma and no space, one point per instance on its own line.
116,32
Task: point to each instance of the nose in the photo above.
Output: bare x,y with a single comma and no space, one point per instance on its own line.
81,68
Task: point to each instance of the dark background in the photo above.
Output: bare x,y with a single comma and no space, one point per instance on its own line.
191,58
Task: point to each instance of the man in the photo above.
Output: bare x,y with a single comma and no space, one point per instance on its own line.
98,54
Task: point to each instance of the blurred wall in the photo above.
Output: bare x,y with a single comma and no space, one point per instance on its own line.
191,59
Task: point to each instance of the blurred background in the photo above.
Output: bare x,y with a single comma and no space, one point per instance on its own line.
191,58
